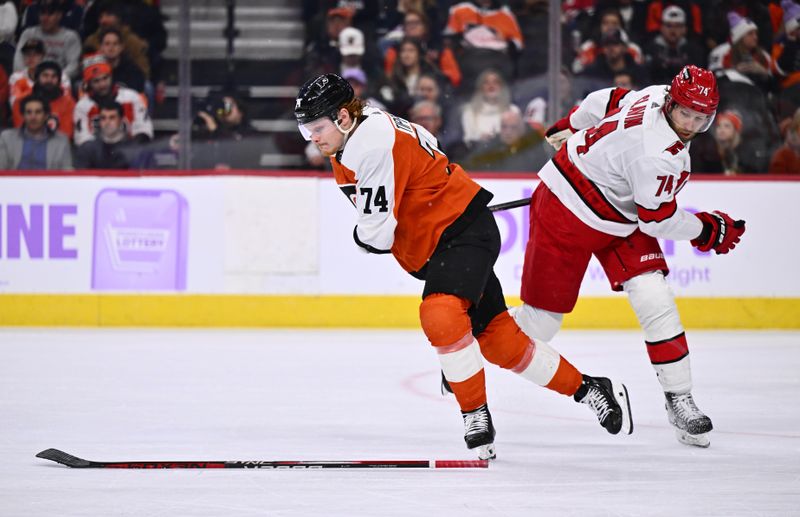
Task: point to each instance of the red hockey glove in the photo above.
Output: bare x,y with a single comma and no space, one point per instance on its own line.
559,132
720,232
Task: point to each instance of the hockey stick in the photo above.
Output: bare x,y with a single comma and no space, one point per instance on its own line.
79,463
510,204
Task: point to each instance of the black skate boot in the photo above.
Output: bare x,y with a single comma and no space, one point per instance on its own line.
479,432
609,401
691,425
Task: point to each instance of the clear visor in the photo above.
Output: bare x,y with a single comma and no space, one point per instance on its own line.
690,120
316,127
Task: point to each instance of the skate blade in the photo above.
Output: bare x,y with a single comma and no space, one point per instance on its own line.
695,440
621,395
486,452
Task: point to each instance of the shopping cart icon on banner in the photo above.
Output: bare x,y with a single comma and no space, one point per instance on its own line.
140,240
135,249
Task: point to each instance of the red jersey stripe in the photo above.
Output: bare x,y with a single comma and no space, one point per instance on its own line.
587,190
664,211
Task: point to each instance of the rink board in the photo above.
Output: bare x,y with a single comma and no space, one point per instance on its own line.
272,250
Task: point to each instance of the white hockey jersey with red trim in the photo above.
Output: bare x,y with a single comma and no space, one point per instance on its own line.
624,166
404,188
134,107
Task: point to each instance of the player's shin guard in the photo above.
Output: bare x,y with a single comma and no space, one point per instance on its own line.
654,304
446,324
504,344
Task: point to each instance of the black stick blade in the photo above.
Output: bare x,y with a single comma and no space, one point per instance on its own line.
510,204
65,459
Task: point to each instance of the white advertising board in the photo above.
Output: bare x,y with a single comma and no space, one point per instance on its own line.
762,265
275,235
84,234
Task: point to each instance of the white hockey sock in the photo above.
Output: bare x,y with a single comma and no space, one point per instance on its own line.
654,304
536,323
540,363
675,377
461,360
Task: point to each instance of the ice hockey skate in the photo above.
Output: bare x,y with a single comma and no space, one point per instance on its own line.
691,425
609,401
479,432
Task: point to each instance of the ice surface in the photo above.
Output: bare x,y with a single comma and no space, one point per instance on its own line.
111,395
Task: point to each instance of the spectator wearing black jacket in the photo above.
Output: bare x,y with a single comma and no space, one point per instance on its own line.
224,136
671,50
143,18
123,70
112,149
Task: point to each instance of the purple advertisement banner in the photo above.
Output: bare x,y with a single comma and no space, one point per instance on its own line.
140,240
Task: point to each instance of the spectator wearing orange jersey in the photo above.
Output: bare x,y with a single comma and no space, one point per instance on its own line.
47,85
21,82
100,87
487,34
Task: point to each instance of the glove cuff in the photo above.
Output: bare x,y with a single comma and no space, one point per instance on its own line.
704,241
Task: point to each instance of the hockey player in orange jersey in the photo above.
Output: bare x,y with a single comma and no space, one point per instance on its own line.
412,202
610,191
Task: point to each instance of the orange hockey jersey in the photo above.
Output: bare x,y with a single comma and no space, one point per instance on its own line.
404,188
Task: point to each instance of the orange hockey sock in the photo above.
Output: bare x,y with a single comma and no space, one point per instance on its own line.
567,378
504,344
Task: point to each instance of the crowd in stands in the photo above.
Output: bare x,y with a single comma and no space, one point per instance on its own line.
473,72
79,79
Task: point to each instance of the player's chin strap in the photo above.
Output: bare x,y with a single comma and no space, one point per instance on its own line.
345,132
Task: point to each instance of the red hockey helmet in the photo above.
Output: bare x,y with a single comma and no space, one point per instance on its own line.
694,88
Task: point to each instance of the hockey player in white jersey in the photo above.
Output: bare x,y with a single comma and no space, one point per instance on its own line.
610,192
